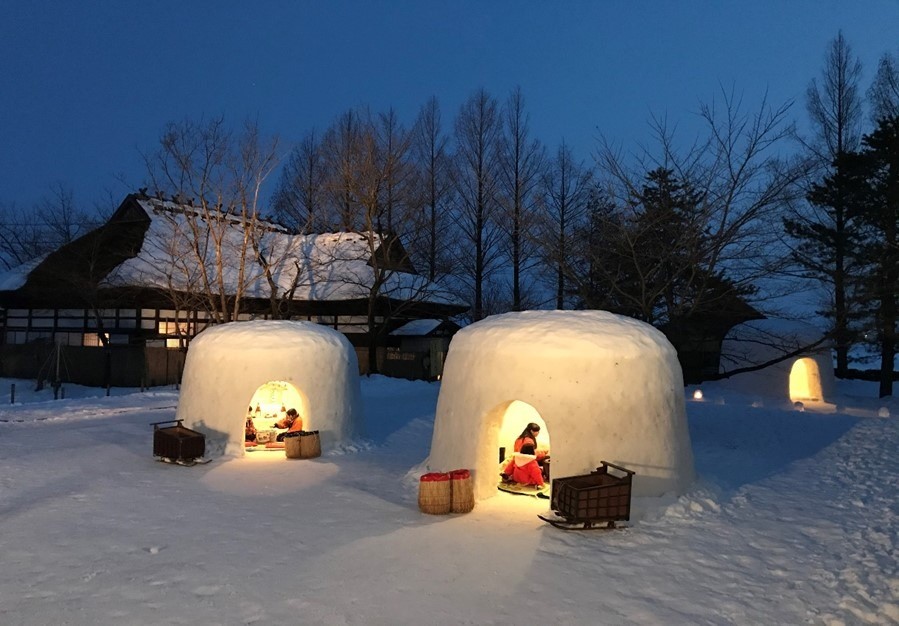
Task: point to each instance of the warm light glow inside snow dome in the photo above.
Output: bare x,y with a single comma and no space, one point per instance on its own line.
272,399
513,417
607,388
269,364
805,380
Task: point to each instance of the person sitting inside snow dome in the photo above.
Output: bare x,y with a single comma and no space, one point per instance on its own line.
529,436
523,468
250,429
292,422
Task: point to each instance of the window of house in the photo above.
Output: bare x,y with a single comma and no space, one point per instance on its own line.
92,340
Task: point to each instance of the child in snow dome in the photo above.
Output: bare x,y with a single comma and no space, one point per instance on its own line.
523,468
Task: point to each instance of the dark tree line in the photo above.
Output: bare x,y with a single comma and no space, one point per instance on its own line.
673,233
844,237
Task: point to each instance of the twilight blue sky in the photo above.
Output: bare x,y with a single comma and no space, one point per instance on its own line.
85,84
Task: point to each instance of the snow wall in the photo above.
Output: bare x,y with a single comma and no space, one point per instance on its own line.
226,364
607,387
759,341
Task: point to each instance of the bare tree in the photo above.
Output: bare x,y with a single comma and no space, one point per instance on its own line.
478,135
735,188
522,161
429,146
299,199
54,221
219,175
883,94
834,104
381,271
394,147
819,229
341,149
566,186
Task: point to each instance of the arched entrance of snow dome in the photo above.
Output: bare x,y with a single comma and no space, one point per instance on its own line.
267,410
805,380
510,419
607,388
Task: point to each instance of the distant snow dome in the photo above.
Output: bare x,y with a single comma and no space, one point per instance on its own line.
265,367
802,377
602,387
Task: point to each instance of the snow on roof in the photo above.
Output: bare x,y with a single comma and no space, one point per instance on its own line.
331,266
417,328
15,277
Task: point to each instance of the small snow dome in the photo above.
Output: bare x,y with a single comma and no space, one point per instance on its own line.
266,368
602,387
805,376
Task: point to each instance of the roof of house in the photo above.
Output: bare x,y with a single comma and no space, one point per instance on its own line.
417,328
154,243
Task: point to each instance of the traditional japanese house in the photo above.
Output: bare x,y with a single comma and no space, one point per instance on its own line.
159,271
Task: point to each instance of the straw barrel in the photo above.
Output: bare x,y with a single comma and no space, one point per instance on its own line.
292,448
462,491
434,493
310,444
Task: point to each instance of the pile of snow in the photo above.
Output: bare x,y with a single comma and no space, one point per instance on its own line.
793,521
606,387
226,366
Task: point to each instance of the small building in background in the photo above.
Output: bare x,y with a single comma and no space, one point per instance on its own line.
417,350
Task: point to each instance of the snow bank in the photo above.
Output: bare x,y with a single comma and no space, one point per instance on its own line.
808,375
226,366
606,387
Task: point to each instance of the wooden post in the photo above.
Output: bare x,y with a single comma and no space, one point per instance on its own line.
12,393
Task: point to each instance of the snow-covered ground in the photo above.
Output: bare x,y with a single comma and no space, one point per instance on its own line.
794,520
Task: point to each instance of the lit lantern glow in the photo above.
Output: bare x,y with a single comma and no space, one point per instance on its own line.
274,395
805,380
697,395
516,416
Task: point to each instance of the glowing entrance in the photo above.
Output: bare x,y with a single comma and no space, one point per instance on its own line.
805,380
509,421
516,416
267,410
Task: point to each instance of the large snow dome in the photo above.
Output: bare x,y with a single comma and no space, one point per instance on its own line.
806,375
602,386
232,367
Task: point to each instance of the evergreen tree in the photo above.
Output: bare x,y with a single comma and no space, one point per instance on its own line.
821,230
875,194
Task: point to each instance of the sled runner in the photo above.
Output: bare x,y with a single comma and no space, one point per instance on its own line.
591,501
182,462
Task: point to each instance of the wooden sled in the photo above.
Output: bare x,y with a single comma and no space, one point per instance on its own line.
591,501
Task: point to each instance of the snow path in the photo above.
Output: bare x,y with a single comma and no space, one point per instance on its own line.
795,521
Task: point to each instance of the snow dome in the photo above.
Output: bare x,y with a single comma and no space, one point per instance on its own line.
267,366
806,376
602,387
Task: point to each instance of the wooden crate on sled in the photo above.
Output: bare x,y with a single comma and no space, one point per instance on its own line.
589,500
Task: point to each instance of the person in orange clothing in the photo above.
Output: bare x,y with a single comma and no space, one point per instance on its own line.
529,436
292,422
523,468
